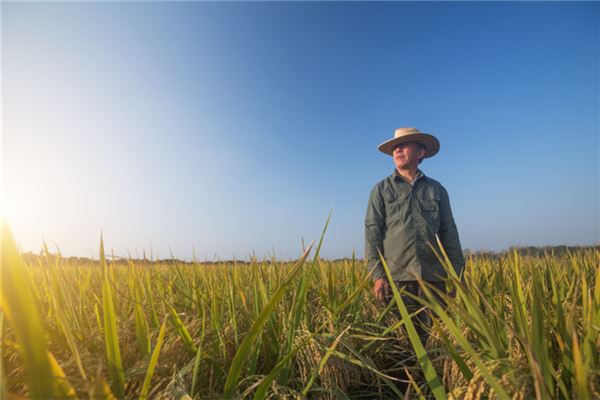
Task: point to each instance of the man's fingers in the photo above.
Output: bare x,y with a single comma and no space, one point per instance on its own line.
382,290
379,292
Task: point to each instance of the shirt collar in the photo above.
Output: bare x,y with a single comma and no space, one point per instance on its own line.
396,175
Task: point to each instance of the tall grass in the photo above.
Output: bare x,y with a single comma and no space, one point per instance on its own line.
516,327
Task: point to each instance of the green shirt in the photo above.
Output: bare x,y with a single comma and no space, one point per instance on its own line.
401,219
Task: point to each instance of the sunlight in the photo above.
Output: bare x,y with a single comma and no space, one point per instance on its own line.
2,216
19,205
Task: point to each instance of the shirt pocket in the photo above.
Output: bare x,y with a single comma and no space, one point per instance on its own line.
395,205
429,205
430,202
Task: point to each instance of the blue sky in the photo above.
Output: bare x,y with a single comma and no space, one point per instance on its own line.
233,128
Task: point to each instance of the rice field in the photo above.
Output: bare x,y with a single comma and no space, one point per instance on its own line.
518,327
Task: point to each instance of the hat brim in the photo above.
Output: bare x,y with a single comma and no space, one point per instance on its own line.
430,142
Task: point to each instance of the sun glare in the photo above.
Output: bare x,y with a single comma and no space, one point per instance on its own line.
19,208
2,214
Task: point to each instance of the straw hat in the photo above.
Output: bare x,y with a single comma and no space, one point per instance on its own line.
401,135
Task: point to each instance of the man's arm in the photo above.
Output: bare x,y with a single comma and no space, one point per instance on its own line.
449,234
374,232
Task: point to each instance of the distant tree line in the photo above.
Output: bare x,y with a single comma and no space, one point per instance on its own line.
536,251
33,258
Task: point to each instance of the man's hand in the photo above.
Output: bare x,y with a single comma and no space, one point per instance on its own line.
382,289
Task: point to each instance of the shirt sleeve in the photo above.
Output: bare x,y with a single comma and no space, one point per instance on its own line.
449,234
375,232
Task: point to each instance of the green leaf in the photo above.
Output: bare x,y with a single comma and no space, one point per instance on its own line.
153,361
242,353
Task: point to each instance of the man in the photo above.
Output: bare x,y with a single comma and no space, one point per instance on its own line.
406,210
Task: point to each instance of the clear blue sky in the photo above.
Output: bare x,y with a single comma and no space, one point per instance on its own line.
235,127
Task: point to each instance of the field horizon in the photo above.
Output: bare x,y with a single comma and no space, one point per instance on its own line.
522,250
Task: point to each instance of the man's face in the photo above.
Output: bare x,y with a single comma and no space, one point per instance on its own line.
406,155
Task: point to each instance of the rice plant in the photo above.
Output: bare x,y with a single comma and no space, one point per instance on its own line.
515,326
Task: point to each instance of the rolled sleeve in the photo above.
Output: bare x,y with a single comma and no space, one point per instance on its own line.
375,232
449,234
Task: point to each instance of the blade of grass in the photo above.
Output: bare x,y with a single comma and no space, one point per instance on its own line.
462,341
198,357
245,347
265,383
182,330
430,375
323,361
581,374
153,361
367,364
62,383
414,384
111,334
297,310
141,324
19,306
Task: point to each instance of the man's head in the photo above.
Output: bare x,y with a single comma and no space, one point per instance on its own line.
417,140
407,155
